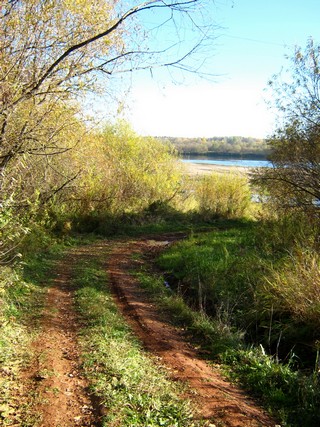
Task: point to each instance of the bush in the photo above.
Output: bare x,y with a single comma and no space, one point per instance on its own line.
223,196
280,232
126,174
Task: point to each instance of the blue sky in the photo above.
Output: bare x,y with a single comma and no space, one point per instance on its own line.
252,40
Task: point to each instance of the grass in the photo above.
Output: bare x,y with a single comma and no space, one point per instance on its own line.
156,219
296,286
212,335
291,395
130,384
231,276
20,307
210,270
234,316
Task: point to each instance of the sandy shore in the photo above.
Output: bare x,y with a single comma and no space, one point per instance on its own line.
205,169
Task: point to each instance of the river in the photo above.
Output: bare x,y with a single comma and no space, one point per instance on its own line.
222,161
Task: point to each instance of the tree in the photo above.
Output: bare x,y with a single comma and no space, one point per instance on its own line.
52,52
294,180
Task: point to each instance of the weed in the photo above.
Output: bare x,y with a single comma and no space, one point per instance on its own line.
296,287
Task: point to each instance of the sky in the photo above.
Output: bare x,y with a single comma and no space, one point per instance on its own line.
252,39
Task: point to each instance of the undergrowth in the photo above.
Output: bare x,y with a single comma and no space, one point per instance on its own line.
291,396
216,285
232,275
129,384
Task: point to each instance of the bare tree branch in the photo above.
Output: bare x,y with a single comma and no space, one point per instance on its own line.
154,4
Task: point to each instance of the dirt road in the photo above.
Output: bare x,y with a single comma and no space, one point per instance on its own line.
56,377
217,400
54,387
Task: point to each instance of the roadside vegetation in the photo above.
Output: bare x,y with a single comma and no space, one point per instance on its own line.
252,309
23,288
16,301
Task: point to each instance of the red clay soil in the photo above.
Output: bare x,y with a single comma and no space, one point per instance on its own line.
217,400
55,378
60,390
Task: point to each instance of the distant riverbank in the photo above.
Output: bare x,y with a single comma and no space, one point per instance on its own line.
205,169
206,165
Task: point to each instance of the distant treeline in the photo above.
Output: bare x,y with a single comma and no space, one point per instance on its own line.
226,145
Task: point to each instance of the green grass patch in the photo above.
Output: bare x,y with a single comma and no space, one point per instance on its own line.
291,395
133,388
219,293
211,271
231,276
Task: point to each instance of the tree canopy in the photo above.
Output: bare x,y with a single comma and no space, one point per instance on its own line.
52,52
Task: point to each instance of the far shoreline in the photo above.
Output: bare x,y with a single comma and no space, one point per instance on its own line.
194,169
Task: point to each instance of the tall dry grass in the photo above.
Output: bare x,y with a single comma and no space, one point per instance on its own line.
223,196
295,288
